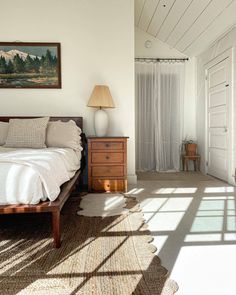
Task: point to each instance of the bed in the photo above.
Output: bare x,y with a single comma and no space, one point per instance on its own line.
58,198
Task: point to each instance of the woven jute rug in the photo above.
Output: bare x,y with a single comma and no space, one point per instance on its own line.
99,255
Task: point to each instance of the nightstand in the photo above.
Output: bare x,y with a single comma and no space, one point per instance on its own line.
107,164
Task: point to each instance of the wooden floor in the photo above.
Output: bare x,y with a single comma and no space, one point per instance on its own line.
193,220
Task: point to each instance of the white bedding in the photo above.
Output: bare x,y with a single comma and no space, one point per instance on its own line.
28,176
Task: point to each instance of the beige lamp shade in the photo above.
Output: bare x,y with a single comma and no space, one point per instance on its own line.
101,97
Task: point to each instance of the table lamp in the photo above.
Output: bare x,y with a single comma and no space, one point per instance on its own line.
101,98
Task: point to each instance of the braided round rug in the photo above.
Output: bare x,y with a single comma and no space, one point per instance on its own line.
99,255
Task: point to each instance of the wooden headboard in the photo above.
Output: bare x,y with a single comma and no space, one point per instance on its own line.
78,120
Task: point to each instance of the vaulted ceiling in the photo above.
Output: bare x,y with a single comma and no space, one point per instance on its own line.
189,26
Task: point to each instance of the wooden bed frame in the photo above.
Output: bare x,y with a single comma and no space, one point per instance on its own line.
52,207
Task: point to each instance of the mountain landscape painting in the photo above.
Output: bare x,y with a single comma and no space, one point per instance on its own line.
30,65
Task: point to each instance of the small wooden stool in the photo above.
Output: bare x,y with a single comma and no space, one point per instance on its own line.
196,161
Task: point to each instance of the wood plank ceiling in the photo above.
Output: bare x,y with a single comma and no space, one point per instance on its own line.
190,26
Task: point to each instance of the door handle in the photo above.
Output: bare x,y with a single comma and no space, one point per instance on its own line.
225,129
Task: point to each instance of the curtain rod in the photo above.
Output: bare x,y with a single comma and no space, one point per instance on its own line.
159,59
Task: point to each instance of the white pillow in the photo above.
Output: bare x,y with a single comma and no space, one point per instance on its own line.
64,135
3,132
27,133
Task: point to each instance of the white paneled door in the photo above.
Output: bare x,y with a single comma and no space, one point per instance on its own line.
218,81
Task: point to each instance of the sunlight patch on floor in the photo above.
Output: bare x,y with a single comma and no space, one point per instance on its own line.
207,223
231,223
210,213
194,230
164,214
219,189
164,221
206,270
203,237
159,240
177,190
211,205
135,191
218,198
230,237
176,204
152,205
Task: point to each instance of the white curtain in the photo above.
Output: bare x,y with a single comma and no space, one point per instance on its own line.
159,115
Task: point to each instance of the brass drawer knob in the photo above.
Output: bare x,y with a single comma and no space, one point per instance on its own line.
107,144
107,157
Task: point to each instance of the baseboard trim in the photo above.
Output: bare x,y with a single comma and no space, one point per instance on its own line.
132,178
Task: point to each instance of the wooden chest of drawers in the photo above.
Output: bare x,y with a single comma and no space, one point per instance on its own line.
107,164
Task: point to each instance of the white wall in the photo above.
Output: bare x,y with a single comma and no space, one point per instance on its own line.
226,42
190,99
160,49
97,43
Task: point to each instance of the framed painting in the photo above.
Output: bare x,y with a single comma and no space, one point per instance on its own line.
30,65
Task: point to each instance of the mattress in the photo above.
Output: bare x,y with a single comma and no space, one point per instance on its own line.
28,176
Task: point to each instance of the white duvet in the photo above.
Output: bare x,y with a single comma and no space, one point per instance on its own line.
28,176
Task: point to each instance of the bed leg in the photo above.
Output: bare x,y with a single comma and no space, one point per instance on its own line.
56,229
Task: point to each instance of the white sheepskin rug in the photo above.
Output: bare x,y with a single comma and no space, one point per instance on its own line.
102,205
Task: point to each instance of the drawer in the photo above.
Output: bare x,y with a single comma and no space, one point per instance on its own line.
106,185
107,158
104,171
111,145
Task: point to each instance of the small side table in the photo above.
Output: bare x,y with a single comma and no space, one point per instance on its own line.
196,161
107,164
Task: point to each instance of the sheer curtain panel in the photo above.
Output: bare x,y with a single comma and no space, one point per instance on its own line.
159,115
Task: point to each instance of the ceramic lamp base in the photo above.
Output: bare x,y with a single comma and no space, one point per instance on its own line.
100,122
